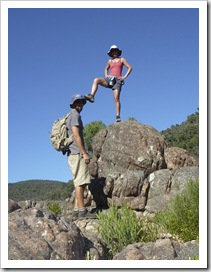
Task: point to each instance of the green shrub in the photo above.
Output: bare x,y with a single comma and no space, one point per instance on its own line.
55,208
181,216
90,130
119,227
150,231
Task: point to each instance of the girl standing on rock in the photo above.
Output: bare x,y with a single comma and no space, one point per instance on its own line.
114,80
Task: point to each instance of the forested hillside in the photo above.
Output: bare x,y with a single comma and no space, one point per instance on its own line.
185,135
40,190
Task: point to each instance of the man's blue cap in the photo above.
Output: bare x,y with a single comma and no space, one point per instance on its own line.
77,97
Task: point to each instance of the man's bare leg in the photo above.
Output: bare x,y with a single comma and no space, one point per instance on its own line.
79,196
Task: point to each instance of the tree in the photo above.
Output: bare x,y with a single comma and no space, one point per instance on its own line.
132,119
90,130
185,135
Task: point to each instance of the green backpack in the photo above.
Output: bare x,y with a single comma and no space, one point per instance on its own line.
59,136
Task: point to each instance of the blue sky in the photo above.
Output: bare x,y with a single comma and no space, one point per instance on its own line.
55,53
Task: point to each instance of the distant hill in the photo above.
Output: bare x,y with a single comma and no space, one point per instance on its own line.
40,190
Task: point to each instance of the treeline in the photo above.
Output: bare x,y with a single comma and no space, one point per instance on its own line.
185,135
40,190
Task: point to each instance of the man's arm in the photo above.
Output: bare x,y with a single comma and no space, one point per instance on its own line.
79,142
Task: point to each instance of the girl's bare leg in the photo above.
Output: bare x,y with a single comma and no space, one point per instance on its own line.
96,82
117,101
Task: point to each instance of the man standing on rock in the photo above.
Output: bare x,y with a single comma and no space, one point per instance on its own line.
78,158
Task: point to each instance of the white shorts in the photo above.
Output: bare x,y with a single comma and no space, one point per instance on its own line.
79,169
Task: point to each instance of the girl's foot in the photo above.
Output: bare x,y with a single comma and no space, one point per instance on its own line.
90,98
118,119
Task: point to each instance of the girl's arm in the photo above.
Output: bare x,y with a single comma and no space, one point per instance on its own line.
107,68
129,68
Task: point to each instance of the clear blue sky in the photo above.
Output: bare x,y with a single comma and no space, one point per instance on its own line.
55,53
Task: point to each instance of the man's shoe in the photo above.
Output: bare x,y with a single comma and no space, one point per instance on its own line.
85,214
90,98
74,215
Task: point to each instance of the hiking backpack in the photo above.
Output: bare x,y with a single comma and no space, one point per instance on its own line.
59,136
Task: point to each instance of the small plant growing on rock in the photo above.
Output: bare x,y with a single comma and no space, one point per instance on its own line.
55,208
181,216
119,228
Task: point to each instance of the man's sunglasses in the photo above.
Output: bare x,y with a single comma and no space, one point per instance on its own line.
80,101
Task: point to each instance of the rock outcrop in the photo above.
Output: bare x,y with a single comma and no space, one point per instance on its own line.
176,157
163,249
132,165
39,235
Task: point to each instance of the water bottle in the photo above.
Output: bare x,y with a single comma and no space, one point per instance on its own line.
112,81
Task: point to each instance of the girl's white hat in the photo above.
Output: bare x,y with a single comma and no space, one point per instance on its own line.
114,47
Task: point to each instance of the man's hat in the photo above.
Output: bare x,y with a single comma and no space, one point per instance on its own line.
114,47
77,97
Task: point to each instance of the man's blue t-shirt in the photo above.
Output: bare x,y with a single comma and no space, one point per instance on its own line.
74,119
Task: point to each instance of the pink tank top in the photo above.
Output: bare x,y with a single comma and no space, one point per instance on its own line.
116,68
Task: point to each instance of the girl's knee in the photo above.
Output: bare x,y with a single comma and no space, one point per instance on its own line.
97,80
116,99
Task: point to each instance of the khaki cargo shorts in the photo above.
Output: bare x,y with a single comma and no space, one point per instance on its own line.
79,170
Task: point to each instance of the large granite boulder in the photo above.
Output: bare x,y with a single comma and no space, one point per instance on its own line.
128,146
133,165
